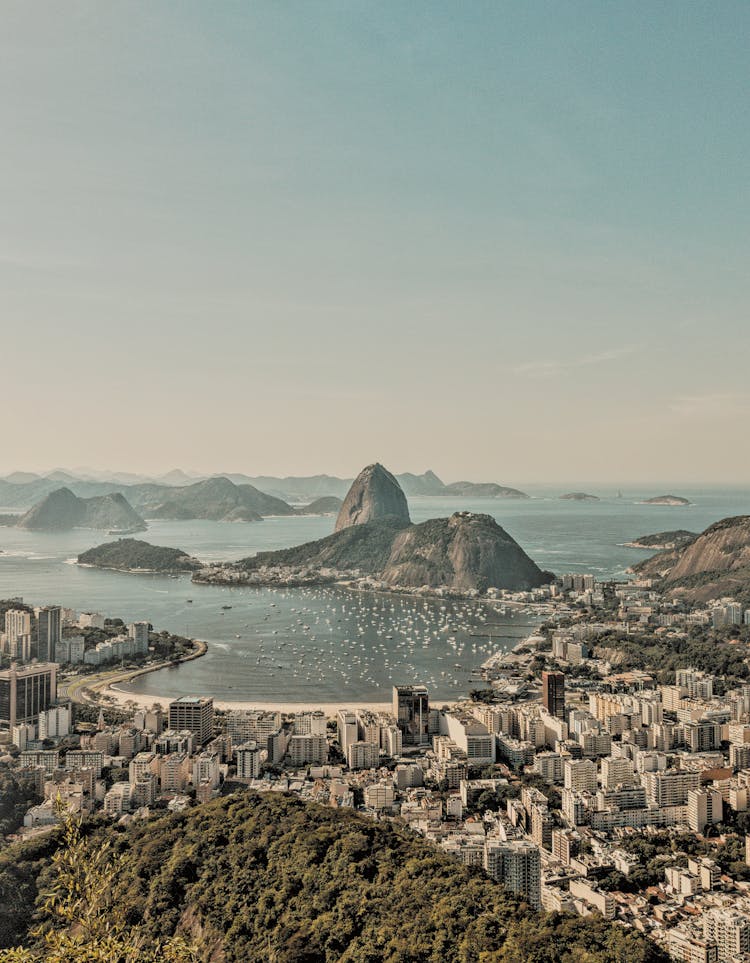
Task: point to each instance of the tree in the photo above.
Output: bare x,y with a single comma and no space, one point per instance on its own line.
81,923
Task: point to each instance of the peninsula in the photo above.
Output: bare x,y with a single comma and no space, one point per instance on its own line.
661,541
712,565
375,541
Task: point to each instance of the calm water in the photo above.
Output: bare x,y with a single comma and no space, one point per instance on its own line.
323,645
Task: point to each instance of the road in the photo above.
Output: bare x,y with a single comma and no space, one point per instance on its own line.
73,688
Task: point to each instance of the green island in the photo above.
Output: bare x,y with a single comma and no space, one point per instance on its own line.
134,555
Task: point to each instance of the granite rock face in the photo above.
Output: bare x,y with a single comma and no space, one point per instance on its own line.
374,537
711,565
464,552
375,495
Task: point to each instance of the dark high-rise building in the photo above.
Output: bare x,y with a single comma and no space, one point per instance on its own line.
49,632
197,715
553,693
411,707
25,691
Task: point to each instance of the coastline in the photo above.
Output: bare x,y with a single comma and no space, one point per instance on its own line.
167,572
123,698
97,685
103,691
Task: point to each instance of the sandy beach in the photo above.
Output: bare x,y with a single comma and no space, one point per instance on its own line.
330,708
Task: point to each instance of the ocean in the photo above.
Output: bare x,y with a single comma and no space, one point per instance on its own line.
325,645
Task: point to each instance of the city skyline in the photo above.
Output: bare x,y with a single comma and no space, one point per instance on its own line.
506,243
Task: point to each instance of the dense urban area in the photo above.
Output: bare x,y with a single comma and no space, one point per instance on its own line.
601,767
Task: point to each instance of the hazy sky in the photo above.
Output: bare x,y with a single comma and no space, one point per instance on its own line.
508,241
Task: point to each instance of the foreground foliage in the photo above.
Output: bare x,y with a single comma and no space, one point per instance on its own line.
267,877
82,923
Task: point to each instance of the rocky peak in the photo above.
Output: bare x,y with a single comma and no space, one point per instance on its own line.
375,495
467,551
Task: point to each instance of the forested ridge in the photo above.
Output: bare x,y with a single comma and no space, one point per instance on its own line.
268,877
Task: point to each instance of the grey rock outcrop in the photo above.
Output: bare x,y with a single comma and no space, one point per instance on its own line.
466,551
375,495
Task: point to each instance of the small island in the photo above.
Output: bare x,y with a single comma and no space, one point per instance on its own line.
663,541
325,505
579,497
481,490
137,557
673,500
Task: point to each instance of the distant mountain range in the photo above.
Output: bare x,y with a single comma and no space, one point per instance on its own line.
232,497
303,488
61,510
217,499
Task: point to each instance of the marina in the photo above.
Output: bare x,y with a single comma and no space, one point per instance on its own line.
322,644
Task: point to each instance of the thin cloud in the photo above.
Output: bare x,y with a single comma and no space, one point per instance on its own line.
710,405
550,367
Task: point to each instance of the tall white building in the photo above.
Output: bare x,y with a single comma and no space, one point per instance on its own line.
257,725
310,724
207,768
307,750
616,772
363,755
579,775
670,787
730,932
54,723
17,640
248,760
138,632
705,807
517,865
348,730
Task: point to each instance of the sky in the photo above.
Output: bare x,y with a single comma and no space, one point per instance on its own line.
506,241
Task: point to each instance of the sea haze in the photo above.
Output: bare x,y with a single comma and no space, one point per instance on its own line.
343,654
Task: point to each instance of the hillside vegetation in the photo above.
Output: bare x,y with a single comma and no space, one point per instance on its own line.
363,547
714,564
664,540
464,552
327,505
217,499
266,877
129,554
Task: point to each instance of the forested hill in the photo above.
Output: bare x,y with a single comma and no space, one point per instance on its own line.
259,877
132,554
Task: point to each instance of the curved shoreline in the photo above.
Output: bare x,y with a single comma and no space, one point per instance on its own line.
83,691
167,572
